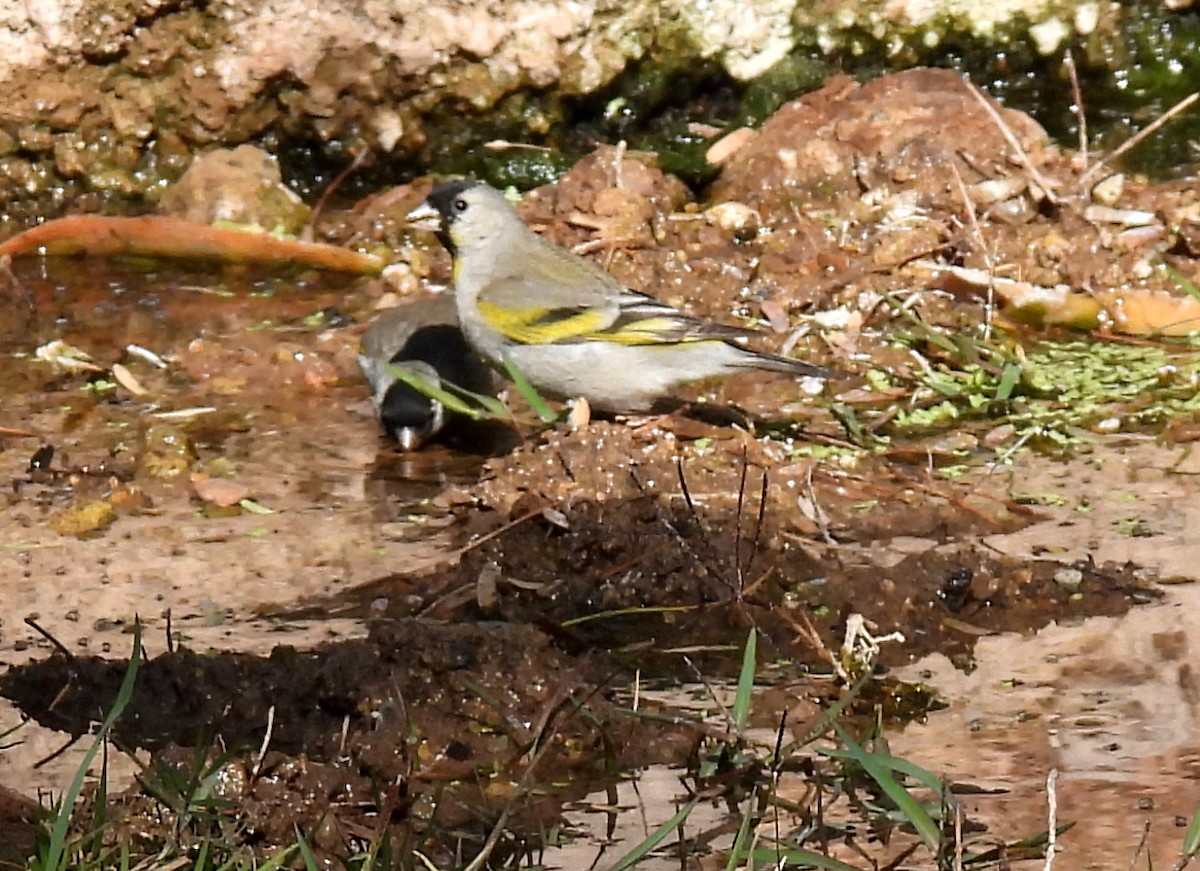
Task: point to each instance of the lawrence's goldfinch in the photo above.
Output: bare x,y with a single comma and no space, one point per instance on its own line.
423,337
571,328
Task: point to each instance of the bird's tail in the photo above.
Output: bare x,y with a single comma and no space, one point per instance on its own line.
790,365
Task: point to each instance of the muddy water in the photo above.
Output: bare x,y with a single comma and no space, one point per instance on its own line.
1111,704
254,389
258,391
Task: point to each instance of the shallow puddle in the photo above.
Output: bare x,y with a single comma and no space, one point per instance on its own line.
249,378
428,639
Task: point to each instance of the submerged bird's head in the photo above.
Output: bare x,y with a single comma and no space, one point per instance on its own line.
464,214
407,414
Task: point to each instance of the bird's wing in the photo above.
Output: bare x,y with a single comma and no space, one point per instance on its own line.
556,297
644,320
550,305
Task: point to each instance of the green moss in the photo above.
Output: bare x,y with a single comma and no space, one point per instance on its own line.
522,168
681,153
89,153
800,72
1133,77
651,105
1067,393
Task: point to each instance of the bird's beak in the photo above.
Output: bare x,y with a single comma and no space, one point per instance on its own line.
410,438
424,217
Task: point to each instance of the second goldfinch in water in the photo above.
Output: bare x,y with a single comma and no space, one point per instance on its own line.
567,325
423,337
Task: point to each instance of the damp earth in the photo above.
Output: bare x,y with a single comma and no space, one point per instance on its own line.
486,645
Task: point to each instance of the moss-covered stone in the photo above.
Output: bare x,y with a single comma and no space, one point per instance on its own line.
100,117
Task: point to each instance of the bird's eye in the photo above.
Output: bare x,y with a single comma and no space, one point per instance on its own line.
460,205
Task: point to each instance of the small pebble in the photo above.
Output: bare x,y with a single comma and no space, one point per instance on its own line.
1069,579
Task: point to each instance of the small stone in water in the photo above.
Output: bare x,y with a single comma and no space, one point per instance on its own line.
1069,579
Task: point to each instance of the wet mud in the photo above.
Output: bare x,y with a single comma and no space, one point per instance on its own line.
644,576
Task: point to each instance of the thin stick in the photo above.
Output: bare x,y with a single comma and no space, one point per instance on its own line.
987,255
687,495
737,528
505,145
1133,863
1051,816
15,283
958,836
726,714
1011,139
58,645
266,742
57,753
758,525
1136,138
818,514
1077,107
357,162
483,539
493,837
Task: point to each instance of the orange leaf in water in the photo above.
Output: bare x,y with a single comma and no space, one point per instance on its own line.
159,236
1144,312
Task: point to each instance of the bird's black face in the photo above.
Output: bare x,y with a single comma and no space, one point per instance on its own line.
410,417
447,200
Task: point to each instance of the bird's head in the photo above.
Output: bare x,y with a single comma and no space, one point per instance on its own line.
464,214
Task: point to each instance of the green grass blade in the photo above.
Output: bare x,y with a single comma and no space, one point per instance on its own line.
278,860
306,853
655,838
1191,838
745,685
828,716
1008,380
894,763
741,842
57,848
926,332
1032,847
544,411
901,797
1183,282
490,404
433,391
632,611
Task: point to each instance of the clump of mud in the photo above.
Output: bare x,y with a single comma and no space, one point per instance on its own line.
654,573
420,717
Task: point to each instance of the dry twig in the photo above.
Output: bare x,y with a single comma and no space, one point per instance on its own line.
1134,140
1011,139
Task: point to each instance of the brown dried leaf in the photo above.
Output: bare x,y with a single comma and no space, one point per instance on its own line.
126,379
221,492
1143,312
